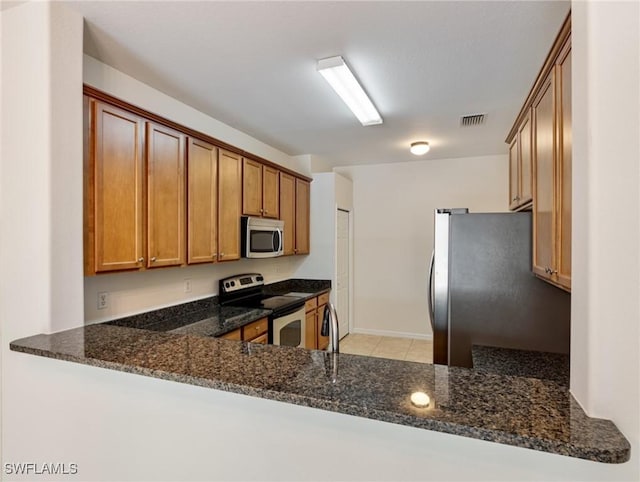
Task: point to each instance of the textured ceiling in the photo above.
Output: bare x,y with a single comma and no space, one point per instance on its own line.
252,65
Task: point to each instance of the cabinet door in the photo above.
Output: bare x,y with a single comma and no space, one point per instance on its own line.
251,188
270,192
563,85
302,217
543,209
230,205
202,202
165,196
233,335
288,211
310,340
514,174
323,341
525,167
116,188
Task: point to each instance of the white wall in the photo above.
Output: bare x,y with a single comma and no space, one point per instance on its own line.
118,426
330,191
135,292
393,232
605,322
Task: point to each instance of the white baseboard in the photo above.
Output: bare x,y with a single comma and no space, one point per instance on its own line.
398,334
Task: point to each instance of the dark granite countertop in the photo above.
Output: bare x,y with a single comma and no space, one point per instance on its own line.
206,317
525,412
522,363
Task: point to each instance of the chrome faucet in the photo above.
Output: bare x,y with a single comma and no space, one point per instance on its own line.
330,327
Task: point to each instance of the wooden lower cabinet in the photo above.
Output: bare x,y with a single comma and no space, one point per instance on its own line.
255,330
322,341
310,338
314,308
233,335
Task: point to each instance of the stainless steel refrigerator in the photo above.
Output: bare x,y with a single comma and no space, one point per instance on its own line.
482,290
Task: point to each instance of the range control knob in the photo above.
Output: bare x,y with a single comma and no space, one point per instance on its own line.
233,283
259,278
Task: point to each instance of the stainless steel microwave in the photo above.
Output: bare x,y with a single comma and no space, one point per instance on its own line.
262,238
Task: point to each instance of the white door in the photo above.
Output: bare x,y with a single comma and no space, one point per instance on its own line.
342,281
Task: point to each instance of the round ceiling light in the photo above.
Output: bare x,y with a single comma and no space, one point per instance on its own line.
419,148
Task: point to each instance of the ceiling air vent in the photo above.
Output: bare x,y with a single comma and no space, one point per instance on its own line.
472,120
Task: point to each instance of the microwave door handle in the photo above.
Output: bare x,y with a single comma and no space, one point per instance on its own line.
280,247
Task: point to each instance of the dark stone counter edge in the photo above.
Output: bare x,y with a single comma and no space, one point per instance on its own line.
594,454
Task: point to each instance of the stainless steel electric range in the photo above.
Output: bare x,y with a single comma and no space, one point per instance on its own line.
287,323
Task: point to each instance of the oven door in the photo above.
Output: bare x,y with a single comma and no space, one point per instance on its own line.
289,329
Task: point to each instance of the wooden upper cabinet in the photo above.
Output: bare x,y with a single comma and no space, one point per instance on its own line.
270,192
544,212
251,188
260,189
520,166
114,190
165,196
202,202
160,194
541,137
514,174
563,85
302,216
229,205
526,166
288,211
552,161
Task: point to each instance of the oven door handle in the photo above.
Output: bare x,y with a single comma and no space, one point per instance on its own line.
288,311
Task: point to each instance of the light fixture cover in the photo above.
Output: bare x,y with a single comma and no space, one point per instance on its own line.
419,148
336,72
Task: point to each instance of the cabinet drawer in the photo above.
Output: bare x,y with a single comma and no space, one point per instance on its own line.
232,335
323,299
262,339
311,304
255,329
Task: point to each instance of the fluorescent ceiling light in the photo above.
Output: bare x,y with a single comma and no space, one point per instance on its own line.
336,72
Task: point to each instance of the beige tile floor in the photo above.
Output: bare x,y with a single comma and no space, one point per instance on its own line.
388,347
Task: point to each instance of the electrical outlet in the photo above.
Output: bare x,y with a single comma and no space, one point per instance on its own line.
187,285
103,300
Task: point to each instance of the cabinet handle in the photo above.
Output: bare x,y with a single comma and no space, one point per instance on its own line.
514,199
221,255
153,260
214,255
262,211
140,260
266,212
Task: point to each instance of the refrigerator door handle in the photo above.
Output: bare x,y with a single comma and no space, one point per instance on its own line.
430,294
